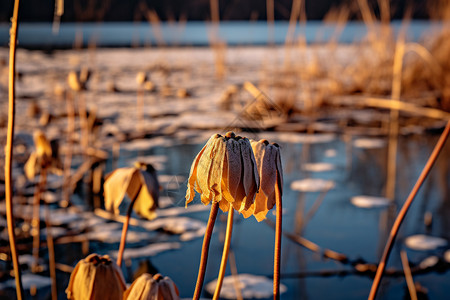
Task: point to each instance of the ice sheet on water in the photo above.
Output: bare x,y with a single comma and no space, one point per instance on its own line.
423,242
312,185
429,262
251,287
369,143
176,225
318,167
299,138
147,251
369,201
28,281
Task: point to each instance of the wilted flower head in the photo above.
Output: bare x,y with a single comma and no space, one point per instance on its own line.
146,287
268,160
224,171
42,157
96,277
141,185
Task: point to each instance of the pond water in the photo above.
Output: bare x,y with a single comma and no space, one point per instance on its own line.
358,233
325,217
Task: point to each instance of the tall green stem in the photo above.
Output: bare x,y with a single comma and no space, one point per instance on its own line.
205,249
9,152
226,250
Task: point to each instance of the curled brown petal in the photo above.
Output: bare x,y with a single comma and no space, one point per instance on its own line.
193,177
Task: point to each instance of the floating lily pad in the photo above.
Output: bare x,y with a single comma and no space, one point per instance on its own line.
251,287
312,185
429,262
423,242
369,201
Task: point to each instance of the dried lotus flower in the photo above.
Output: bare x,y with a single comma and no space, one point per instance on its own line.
225,174
141,77
148,287
224,171
43,157
96,277
141,185
268,160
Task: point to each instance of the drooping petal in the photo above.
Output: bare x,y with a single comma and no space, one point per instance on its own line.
215,177
115,186
190,193
247,164
268,170
203,172
234,167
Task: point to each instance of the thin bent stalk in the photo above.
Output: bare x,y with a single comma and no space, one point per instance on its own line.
9,152
123,238
51,254
277,251
226,250
36,217
205,249
401,215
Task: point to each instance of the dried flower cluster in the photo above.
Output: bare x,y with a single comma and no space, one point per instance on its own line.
232,170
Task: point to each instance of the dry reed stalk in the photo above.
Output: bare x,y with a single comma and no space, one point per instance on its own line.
140,107
69,145
9,151
59,11
123,237
401,215
270,10
51,254
226,250
235,275
368,18
406,107
40,188
408,275
205,250
84,126
277,250
394,115
295,14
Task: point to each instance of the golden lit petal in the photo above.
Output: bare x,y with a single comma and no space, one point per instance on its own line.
268,170
115,186
203,172
31,168
190,194
215,177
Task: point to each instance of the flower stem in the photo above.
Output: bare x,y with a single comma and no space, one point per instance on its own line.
205,249
226,250
9,152
123,238
277,251
37,219
401,215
